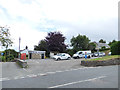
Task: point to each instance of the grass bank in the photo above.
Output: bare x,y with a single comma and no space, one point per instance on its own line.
104,58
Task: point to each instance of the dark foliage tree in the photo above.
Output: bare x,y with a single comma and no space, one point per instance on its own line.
102,41
55,42
80,42
115,48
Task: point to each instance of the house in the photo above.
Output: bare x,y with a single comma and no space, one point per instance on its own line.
100,45
34,54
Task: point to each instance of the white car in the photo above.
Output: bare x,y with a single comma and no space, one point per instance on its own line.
62,56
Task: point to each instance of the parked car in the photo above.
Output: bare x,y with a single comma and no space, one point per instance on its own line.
99,54
62,56
81,54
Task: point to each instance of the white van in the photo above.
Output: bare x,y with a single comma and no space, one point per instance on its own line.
81,54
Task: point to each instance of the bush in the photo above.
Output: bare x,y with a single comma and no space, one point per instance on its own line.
115,48
9,57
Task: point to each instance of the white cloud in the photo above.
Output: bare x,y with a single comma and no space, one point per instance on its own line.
32,19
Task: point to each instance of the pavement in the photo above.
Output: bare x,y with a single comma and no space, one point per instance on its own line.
88,77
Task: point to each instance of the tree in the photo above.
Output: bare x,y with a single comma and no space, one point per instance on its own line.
92,46
102,41
115,48
5,40
55,42
80,42
42,46
110,43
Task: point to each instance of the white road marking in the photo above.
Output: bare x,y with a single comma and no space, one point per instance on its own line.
4,79
24,69
22,77
60,71
51,72
16,77
43,74
66,84
31,75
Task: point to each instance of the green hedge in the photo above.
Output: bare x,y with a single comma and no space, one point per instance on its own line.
115,48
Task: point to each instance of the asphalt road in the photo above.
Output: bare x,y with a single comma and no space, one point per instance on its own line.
88,77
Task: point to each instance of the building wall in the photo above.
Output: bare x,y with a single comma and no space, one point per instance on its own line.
36,56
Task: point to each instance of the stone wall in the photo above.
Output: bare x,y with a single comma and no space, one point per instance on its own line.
36,56
101,63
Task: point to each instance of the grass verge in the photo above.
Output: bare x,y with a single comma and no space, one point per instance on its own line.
103,58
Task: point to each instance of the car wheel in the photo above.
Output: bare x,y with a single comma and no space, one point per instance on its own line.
58,59
77,57
68,58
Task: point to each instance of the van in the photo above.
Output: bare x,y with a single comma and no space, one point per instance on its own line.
81,54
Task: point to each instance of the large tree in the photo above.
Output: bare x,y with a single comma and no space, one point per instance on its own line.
55,42
80,42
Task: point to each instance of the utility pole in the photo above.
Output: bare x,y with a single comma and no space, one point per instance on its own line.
19,47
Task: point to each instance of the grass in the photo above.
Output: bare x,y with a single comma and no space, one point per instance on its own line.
104,58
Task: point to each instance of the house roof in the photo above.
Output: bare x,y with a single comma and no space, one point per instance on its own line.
99,45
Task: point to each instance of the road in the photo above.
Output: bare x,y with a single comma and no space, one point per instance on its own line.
87,77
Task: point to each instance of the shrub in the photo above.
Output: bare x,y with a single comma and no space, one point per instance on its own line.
9,57
115,48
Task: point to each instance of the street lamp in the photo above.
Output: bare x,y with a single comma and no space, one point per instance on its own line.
19,47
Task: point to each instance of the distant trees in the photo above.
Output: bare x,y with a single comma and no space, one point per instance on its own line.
102,41
81,42
115,48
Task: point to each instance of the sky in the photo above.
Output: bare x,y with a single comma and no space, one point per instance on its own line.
31,20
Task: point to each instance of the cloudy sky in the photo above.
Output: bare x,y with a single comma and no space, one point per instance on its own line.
33,19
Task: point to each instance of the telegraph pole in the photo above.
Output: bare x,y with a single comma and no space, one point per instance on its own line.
19,47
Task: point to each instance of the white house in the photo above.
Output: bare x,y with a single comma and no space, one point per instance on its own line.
34,54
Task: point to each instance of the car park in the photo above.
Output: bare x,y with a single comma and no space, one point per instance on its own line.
62,56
